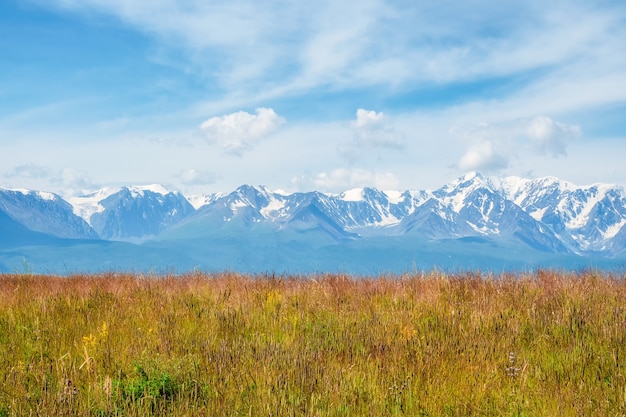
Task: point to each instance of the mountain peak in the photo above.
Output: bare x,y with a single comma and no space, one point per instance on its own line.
154,188
44,212
472,180
545,214
471,175
44,195
247,190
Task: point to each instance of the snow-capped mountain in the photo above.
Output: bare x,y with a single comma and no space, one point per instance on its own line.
523,221
44,212
132,213
479,204
586,218
353,210
469,206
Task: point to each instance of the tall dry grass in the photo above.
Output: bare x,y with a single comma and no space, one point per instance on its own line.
548,343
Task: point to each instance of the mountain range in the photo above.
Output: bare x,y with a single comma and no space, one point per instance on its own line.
473,222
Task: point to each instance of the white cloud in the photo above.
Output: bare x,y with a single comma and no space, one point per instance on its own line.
252,51
484,157
347,42
240,131
479,61
368,120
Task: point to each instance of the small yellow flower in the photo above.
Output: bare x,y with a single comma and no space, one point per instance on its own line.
90,340
409,332
104,330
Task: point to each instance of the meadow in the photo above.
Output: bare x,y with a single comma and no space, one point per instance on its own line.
426,344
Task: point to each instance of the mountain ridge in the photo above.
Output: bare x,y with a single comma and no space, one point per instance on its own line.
542,215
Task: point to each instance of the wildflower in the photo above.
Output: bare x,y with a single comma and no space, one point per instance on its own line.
104,330
108,386
69,391
21,366
409,332
512,370
89,341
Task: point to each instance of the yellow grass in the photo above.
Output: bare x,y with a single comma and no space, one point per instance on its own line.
542,344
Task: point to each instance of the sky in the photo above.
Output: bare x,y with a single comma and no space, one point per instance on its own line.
203,96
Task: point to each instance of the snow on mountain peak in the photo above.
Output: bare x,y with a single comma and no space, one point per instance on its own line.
47,196
355,194
454,193
198,201
138,190
580,211
468,181
584,218
395,197
614,229
44,195
472,177
87,205
275,206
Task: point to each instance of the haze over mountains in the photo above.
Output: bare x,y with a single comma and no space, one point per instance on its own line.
472,222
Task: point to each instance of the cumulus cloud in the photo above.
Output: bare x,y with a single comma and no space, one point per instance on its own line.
193,176
342,179
238,132
368,119
484,157
491,146
371,130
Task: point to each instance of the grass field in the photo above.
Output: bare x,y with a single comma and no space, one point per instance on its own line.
541,344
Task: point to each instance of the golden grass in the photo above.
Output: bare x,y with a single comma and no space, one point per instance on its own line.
542,344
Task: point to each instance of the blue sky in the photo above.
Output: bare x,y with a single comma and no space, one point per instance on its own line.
204,96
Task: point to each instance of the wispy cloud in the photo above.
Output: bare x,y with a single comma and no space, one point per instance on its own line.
441,87
278,48
28,171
